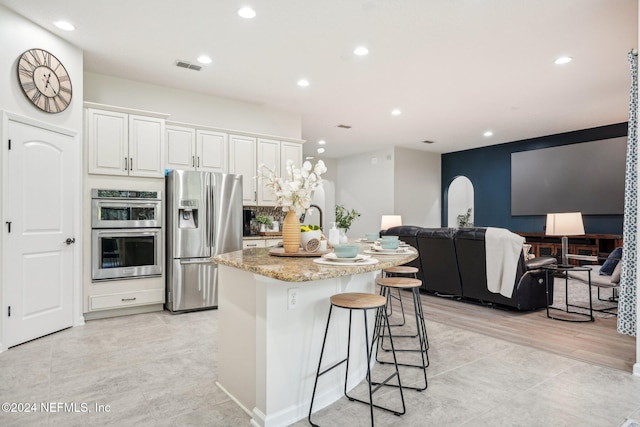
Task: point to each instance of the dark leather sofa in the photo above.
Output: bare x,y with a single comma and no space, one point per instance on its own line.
453,263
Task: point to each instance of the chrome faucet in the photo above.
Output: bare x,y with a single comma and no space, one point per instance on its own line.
319,210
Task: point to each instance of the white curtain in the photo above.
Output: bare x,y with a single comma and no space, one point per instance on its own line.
627,302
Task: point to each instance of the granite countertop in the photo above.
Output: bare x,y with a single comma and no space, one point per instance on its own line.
303,269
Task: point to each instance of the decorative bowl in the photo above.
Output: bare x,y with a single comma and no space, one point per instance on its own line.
390,244
345,251
371,236
390,238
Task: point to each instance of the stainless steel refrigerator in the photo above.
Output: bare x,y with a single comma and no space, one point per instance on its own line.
204,218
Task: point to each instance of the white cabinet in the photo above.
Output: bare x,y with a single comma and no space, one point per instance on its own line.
253,243
196,149
269,155
180,148
242,161
211,151
290,151
125,144
246,154
260,243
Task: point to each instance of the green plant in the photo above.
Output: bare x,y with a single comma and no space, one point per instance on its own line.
263,219
344,217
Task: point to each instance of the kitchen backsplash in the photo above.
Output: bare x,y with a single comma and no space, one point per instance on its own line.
275,213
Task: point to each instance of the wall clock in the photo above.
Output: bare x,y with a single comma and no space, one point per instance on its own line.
44,80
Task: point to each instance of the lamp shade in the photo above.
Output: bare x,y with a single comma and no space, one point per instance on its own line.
389,221
565,224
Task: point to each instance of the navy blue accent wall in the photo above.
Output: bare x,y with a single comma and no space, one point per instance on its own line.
489,169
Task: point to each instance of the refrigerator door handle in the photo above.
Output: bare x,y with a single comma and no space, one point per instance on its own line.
207,219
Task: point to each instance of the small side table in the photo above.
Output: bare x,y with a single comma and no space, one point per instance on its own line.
554,268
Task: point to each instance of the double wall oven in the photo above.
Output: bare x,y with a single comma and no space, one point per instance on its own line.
126,234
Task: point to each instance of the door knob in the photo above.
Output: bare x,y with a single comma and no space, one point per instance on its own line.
69,241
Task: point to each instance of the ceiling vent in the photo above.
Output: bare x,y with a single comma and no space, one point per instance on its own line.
344,126
188,65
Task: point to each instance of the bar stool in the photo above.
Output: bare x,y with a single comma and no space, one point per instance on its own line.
386,285
360,301
400,271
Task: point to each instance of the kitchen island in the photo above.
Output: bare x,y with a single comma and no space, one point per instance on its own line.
272,316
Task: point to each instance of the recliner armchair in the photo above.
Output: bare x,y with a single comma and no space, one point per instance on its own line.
529,292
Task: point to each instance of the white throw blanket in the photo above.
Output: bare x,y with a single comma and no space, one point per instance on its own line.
503,251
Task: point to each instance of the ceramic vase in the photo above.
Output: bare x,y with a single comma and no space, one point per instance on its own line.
291,233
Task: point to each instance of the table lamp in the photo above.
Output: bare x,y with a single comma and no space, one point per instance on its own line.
389,221
564,224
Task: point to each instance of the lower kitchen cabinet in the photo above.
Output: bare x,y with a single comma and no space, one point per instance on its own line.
259,243
126,299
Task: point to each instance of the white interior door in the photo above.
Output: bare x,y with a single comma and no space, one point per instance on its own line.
39,218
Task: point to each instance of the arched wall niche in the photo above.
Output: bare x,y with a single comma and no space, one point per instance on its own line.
460,198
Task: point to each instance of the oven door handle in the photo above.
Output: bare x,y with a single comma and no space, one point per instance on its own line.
126,231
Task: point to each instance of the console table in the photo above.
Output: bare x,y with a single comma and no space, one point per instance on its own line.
598,245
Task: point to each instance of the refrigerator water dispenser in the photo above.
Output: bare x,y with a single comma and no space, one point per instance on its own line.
188,214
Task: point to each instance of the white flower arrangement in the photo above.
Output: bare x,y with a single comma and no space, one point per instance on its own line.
293,191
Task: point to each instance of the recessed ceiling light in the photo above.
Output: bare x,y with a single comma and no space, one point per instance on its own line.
396,112
488,133
303,82
320,150
247,12
64,25
322,142
563,60
204,59
361,51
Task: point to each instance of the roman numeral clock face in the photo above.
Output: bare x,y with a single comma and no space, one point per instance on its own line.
44,80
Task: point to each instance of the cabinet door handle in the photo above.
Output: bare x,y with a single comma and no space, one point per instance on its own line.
126,164
193,162
130,163
252,245
198,161
128,299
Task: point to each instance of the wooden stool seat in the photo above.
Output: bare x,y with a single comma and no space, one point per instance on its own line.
399,282
357,300
401,269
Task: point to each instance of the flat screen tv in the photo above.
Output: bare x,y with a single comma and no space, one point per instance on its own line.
587,177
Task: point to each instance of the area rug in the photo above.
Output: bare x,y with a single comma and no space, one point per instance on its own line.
578,294
631,423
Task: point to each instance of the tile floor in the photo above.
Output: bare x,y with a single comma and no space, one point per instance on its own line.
159,369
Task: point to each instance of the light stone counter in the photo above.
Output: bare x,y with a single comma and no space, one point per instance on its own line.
302,269
272,313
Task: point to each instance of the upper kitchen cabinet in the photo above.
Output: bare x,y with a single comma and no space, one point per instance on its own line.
212,151
242,161
248,153
180,151
121,143
290,151
189,148
269,155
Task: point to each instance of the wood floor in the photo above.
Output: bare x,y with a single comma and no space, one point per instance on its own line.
594,342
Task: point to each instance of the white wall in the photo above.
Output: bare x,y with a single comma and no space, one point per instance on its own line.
365,183
16,36
417,184
191,107
396,181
